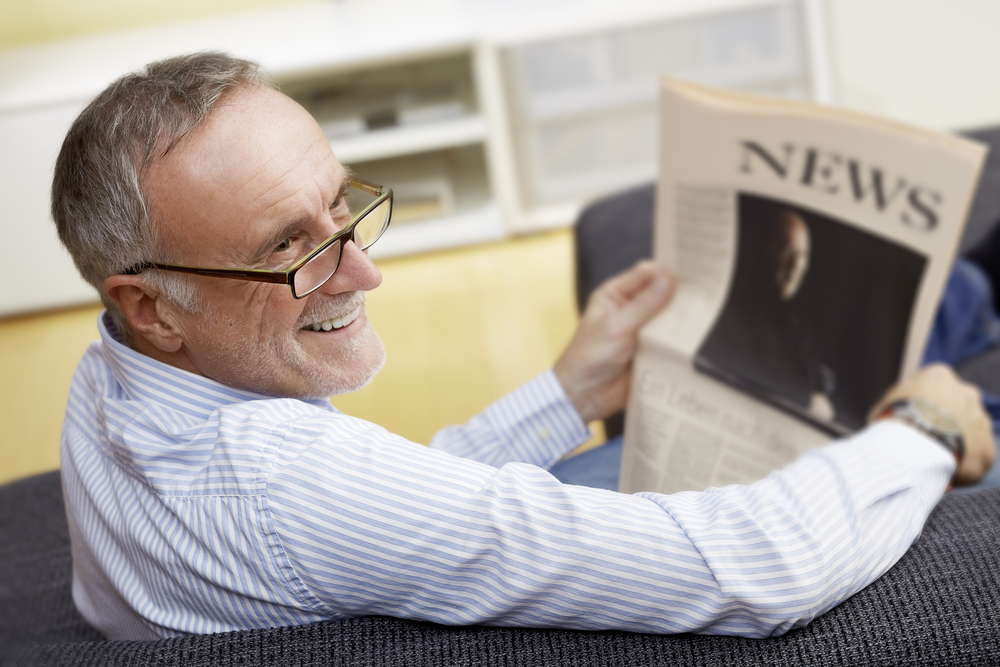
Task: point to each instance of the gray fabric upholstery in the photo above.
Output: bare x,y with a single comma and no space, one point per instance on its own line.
36,606
940,605
985,210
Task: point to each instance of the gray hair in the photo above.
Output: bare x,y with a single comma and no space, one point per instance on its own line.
98,202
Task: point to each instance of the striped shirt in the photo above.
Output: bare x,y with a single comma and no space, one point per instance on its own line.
196,508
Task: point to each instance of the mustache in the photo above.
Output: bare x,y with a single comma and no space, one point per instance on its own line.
329,308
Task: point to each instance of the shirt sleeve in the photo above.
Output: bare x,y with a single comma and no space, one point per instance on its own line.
535,424
371,524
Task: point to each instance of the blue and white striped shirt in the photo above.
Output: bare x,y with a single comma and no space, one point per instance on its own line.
197,508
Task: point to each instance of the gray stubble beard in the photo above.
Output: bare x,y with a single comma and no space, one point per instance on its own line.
321,384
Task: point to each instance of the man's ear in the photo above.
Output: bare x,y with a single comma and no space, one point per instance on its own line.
146,313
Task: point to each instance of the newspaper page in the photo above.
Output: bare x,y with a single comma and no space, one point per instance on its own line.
811,247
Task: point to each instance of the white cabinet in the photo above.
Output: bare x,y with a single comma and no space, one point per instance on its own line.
37,270
486,117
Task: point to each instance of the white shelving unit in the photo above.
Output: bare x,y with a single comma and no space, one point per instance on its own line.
484,124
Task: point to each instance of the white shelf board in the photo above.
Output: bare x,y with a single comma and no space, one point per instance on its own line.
407,140
547,216
477,225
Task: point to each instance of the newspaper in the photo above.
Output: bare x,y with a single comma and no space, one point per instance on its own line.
811,247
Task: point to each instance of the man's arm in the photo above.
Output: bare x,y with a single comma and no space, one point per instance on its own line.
371,524
938,385
534,424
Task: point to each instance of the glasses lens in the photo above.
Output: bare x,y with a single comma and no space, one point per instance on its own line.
358,199
370,227
317,270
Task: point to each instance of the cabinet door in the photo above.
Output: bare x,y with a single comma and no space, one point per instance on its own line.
583,107
37,269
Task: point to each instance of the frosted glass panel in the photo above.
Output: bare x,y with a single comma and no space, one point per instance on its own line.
583,107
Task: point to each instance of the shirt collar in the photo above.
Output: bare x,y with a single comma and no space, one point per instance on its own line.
146,379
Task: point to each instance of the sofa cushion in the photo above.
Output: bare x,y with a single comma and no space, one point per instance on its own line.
36,604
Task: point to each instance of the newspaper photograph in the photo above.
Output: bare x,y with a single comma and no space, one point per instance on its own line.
811,247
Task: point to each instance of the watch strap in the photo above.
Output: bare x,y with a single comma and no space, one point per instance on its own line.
927,418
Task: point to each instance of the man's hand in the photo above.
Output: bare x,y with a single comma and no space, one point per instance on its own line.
938,384
595,367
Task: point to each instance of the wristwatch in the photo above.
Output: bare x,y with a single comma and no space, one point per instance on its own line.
930,420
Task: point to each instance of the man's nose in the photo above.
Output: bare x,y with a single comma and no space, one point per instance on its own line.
356,271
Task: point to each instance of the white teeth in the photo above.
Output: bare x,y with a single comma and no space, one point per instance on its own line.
336,322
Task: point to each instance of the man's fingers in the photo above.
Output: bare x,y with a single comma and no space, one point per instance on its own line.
627,284
646,303
630,299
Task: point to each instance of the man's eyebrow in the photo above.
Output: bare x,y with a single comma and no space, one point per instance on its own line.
345,183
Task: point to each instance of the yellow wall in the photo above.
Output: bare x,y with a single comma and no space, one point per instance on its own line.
37,356
28,21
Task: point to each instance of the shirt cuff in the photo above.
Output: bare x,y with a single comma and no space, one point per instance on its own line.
892,452
539,421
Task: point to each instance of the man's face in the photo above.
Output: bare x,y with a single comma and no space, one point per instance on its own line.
793,262
257,186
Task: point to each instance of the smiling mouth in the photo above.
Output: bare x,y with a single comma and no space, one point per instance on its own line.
335,323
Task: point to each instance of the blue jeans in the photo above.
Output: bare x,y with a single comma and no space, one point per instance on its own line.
966,325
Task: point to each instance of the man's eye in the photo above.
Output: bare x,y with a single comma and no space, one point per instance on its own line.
283,246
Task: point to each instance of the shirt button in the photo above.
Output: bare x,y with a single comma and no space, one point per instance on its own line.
544,435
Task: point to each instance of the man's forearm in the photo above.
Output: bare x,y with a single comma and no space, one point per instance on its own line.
816,532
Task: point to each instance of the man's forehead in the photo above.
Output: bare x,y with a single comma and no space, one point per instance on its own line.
255,121
252,132
252,158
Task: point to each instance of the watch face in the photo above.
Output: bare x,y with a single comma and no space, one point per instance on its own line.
933,421
934,417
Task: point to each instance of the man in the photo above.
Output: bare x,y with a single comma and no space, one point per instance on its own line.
211,486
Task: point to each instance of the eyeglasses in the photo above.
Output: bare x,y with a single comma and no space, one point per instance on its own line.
310,273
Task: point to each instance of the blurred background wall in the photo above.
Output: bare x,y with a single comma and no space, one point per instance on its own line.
31,21
930,62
